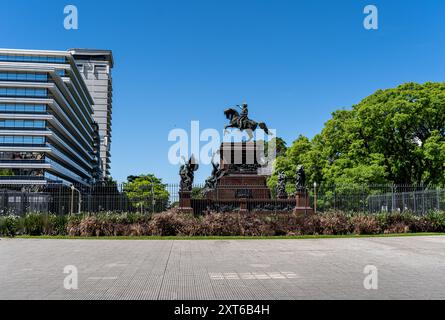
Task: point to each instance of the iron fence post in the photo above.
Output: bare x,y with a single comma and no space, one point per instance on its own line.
393,199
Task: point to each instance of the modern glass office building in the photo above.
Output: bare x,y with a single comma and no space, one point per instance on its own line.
47,130
95,67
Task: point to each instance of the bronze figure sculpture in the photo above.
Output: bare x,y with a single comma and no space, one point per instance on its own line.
281,186
300,179
212,181
242,121
187,174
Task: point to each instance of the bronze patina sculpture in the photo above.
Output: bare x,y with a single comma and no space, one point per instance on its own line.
187,174
300,179
242,121
281,186
212,181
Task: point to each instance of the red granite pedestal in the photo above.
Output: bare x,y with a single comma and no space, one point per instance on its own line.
242,187
302,205
185,202
242,181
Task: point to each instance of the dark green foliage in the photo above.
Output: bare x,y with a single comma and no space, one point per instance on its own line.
34,224
437,220
393,136
197,193
148,192
9,226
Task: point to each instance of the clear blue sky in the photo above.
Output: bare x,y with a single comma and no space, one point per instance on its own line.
293,61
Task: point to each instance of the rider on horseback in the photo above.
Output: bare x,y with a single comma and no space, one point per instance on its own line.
244,117
242,121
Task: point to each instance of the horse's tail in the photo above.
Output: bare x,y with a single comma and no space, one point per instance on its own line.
264,127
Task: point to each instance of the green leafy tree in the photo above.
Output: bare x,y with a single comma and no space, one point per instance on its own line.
276,143
393,136
197,193
144,191
288,163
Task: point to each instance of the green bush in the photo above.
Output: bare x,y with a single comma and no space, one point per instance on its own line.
35,224
437,220
9,226
57,225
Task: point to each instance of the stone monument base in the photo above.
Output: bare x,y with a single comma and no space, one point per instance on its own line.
185,202
241,188
302,205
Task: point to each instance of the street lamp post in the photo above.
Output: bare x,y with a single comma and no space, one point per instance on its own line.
153,201
152,197
315,197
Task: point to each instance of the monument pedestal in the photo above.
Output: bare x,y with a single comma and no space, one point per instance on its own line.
185,202
238,187
241,161
302,205
243,208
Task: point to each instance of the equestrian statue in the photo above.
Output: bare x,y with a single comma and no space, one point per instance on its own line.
242,121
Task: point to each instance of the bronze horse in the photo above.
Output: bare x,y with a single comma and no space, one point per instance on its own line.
243,123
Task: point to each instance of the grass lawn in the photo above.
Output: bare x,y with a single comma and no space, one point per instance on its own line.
236,238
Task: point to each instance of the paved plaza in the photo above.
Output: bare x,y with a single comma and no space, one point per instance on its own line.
408,268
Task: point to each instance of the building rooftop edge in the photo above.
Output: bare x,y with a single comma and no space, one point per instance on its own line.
92,52
35,51
73,51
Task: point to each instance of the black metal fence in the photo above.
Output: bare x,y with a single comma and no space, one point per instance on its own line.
201,206
61,199
419,199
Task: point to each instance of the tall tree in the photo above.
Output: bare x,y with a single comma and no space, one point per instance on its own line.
146,191
393,136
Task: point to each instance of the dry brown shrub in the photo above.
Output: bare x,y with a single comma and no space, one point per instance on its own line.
365,225
334,224
174,224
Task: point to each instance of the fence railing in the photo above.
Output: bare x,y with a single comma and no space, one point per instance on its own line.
419,199
60,199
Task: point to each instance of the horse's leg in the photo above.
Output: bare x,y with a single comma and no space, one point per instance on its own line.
264,127
250,134
227,127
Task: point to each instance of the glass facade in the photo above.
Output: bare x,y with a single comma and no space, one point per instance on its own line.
32,58
25,124
23,76
23,92
22,156
22,108
31,140
64,170
61,73
41,126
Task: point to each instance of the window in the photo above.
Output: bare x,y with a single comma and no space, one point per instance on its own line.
25,124
32,58
23,92
32,140
23,76
23,108
61,73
